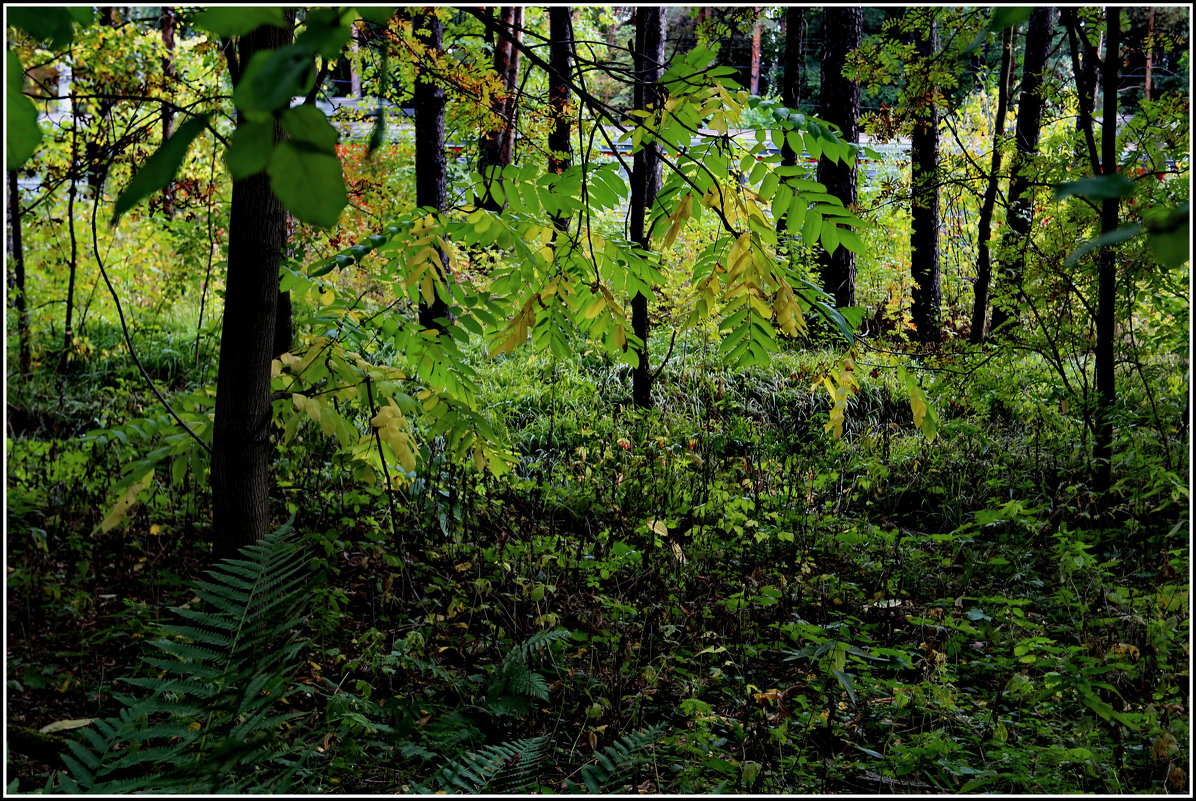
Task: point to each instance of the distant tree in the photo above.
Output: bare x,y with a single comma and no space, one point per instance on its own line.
1020,216
992,185
431,167
924,201
645,176
496,145
560,59
839,103
1106,319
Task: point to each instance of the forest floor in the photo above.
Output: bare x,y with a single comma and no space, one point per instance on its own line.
717,596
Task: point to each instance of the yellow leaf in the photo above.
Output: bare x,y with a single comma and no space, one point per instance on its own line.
128,499
659,528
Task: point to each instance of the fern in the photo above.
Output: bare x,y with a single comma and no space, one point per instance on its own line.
616,760
515,684
505,768
211,717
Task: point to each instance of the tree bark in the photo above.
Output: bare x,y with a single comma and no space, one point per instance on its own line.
560,35
1020,216
1106,388
645,176
840,104
16,292
988,205
166,22
241,446
431,168
924,211
755,74
496,146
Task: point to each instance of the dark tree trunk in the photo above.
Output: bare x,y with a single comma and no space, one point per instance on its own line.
645,176
988,205
1106,389
924,212
560,35
1020,216
795,59
840,104
497,145
241,446
16,287
166,22
431,169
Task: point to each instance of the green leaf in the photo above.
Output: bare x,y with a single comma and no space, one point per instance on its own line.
1008,16
238,21
1169,234
1097,187
308,124
308,182
324,33
272,78
52,24
250,150
1114,237
21,128
160,168
378,15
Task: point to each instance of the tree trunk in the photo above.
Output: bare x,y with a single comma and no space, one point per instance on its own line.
924,211
560,35
1020,216
496,146
431,169
16,287
166,22
241,446
795,34
988,205
645,176
756,35
840,104
1106,389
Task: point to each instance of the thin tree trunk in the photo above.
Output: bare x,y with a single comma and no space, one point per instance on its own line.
645,179
17,285
68,334
756,35
1020,216
496,146
241,446
924,211
94,150
795,34
431,170
166,22
988,205
560,35
840,104
1149,51
1106,389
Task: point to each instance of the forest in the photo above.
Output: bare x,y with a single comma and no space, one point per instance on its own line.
597,399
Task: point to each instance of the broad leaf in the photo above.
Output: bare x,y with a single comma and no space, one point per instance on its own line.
308,124
160,168
1169,234
250,150
21,128
272,78
1114,237
1097,187
238,21
52,24
308,182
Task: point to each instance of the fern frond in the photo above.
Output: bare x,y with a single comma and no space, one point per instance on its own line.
616,760
210,721
503,768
